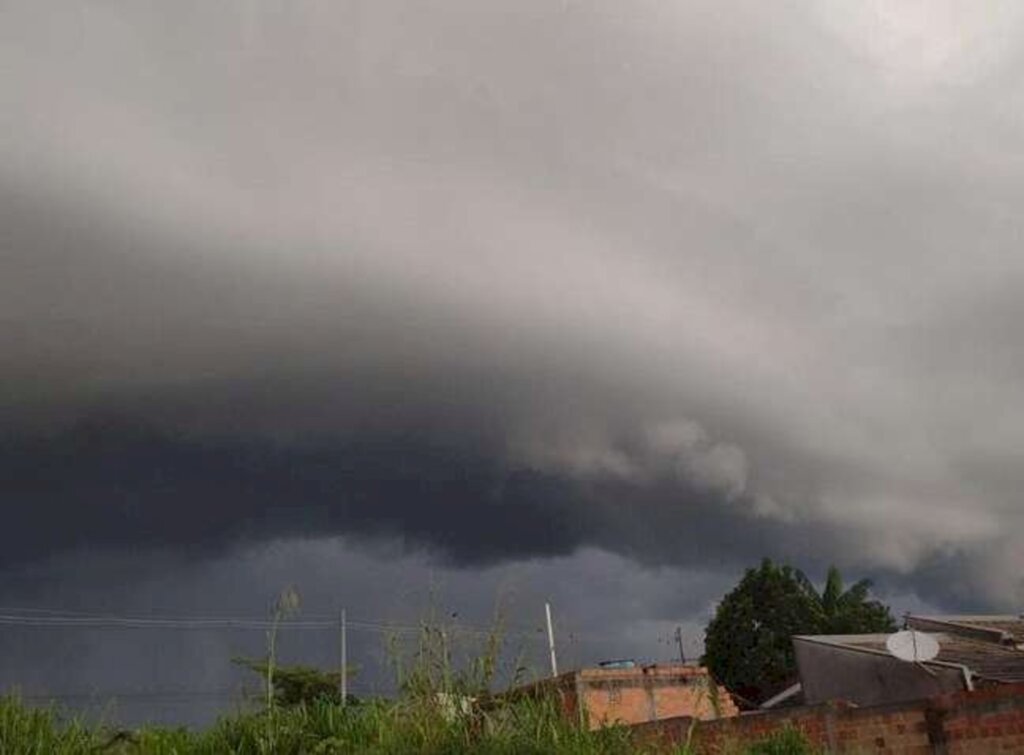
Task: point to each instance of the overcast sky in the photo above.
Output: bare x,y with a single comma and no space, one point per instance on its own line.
607,300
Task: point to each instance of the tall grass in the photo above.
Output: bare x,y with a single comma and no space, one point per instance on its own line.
392,727
378,728
28,731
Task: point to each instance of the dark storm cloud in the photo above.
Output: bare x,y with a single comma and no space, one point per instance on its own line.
115,484
513,281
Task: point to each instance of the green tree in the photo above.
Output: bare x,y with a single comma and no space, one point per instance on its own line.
847,611
748,645
297,685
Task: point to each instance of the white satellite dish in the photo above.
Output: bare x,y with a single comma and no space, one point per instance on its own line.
913,646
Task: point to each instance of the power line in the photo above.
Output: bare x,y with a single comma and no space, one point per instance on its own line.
46,617
150,694
35,617
106,696
115,622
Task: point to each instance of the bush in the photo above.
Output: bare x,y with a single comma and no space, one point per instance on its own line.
299,684
787,741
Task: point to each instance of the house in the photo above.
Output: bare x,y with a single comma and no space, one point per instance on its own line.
1002,630
624,693
974,651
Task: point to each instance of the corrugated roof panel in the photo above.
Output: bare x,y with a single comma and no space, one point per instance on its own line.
987,660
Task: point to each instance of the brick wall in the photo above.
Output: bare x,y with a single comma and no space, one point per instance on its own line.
992,721
966,723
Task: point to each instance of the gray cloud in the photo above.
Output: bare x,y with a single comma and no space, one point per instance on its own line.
115,483
511,282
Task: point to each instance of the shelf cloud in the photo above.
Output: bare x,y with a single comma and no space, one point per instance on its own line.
693,283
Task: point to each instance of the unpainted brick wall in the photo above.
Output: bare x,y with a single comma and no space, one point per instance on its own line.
967,723
991,721
841,730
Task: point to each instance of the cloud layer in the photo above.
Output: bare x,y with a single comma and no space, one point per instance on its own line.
514,281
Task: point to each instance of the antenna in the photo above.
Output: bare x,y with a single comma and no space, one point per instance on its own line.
912,646
679,641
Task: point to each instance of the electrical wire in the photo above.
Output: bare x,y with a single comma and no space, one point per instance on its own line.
48,617
69,619
105,696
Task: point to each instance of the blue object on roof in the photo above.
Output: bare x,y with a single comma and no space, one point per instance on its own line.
625,663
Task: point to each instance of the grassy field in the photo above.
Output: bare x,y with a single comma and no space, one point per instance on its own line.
395,727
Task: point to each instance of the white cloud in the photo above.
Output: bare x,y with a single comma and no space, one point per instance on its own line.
679,450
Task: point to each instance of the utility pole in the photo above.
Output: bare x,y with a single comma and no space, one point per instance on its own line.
551,640
679,641
343,681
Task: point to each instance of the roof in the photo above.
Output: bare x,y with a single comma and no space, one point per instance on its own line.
791,694
673,672
987,661
1007,629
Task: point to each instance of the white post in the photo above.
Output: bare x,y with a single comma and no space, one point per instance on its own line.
343,682
551,640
